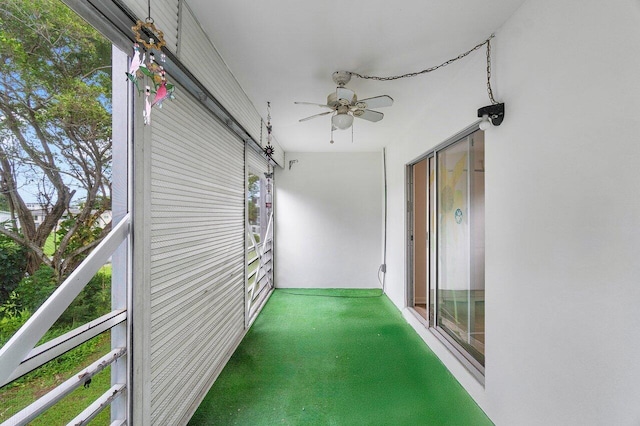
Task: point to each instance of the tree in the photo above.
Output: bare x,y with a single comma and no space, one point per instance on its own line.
4,203
55,126
13,263
253,196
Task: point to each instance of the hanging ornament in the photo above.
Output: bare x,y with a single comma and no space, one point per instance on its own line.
147,106
155,40
268,150
149,71
162,92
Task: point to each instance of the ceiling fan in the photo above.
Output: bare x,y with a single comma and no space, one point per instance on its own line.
344,104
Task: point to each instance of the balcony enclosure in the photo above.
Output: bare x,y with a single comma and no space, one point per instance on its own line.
490,254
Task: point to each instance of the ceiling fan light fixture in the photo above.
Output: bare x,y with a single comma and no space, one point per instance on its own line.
342,120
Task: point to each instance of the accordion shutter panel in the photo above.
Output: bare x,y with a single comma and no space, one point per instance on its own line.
203,60
197,254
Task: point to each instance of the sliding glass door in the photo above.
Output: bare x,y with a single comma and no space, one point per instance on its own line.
448,243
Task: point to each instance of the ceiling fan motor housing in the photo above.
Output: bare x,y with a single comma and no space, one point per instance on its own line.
344,105
341,77
334,102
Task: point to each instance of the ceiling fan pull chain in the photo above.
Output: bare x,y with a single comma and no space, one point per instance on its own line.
352,133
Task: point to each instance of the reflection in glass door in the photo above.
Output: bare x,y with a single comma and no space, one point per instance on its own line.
460,285
447,251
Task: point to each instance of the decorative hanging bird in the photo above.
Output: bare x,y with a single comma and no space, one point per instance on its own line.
161,94
143,65
137,61
146,114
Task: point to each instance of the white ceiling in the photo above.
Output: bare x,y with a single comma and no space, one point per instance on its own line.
284,51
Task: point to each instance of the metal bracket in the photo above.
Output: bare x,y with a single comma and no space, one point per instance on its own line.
494,112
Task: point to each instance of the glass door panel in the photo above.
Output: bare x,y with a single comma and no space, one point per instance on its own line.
476,227
455,313
446,229
432,240
420,237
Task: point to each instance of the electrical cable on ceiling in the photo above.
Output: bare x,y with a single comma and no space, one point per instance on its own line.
487,42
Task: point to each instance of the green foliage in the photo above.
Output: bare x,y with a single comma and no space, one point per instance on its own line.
254,185
60,65
11,307
12,266
55,98
50,245
4,203
25,390
86,233
253,195
34,290
11,320
93,301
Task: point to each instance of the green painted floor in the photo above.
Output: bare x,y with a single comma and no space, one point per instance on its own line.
315,360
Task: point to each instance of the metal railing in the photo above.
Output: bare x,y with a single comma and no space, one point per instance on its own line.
19,355
260,271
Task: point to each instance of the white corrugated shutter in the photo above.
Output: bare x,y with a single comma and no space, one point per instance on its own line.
197,253
203,60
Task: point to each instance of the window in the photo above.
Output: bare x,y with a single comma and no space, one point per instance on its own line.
255,202
65,176
446,235
259,241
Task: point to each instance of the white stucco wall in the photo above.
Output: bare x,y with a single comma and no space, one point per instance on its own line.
328,224
562,212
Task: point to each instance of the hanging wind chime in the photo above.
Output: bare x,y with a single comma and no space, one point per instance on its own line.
268,151
145,70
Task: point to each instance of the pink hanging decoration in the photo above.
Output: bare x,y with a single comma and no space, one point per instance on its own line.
161,94
139,68
137,60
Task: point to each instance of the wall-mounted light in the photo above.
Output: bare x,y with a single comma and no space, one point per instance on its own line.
491,114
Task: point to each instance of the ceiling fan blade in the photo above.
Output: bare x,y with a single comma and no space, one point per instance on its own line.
312,103
368,115
314,116
347,94
376,102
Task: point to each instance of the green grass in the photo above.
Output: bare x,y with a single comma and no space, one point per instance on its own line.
346,359
16,396
24,391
